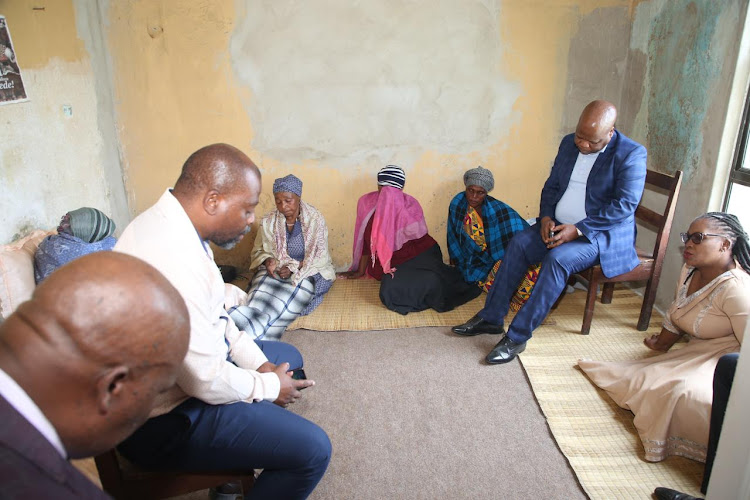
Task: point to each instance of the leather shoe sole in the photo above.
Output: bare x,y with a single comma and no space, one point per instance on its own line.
505,351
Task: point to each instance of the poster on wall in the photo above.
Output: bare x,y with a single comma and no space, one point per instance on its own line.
11,83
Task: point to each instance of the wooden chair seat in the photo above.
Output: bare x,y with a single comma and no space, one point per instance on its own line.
124,480
649,268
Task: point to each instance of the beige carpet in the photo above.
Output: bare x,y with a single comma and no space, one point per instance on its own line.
597,436
354,305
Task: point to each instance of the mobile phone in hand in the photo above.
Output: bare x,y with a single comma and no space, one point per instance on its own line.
299,374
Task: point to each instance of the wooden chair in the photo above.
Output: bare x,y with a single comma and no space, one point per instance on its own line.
650,266
125,481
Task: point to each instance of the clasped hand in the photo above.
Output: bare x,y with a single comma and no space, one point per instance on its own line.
289,391
555,235
272,264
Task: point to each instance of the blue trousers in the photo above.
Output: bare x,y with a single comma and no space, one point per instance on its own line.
723,378
195,436
527,248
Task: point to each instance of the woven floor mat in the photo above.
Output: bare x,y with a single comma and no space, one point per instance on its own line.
598,437
354,305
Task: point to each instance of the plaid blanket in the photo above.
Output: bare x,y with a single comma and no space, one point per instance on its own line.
272,304
501,222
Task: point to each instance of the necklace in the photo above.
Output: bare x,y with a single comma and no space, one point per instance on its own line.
291,226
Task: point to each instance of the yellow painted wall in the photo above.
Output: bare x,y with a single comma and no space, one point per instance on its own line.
150,81
176,90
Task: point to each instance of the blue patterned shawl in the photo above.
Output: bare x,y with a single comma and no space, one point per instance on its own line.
59,249
501,222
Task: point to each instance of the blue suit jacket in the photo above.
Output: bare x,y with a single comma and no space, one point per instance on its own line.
613,191
30,467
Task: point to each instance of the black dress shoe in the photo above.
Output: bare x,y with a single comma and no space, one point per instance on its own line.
477,325
668,494
506,350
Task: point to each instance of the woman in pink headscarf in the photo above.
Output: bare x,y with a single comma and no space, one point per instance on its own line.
391,244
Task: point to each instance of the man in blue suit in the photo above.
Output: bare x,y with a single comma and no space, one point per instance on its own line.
586,217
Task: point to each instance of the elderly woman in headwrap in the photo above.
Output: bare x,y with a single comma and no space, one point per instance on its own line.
479,229
81,232
391,244
294,267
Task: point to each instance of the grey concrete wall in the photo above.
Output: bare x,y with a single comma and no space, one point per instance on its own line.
51,163
678,81
597,62
91,27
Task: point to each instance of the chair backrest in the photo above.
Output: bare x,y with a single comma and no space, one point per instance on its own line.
661,221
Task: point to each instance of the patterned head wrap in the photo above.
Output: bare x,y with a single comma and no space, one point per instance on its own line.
288,184
479,177
90,224
392,175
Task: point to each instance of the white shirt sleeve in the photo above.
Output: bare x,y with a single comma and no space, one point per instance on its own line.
164,237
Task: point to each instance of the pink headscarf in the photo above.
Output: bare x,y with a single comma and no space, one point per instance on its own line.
398,219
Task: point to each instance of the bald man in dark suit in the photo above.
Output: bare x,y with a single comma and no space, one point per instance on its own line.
80,366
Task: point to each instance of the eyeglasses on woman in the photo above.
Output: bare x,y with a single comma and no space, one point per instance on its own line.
697,238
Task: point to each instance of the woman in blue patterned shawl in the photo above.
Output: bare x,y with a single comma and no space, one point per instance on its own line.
479,229
81,232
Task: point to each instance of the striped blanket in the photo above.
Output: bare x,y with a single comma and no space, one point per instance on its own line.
272,304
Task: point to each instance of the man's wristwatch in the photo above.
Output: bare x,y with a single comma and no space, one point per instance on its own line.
578,231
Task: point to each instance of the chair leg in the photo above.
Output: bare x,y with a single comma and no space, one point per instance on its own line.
648,305
588,313
248,483
607,291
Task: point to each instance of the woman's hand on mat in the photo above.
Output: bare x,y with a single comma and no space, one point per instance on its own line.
284,273
290,388
357,273
349,275
271,264
663,341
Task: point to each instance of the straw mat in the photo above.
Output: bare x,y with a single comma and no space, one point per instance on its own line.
598,437
354,305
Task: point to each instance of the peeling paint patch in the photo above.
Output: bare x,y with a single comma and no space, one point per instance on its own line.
683,73
50,164
426,79
596,61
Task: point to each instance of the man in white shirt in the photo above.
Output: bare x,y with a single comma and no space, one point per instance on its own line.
81,364
221,413
586,216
